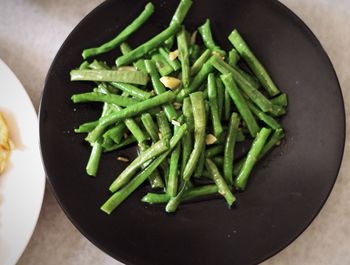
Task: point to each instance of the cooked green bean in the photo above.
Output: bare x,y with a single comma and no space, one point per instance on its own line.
94,160
150,126
160,89
183,55
281,100
218,160
190,194
86,127
214,108
124,76
207,37
268,120
194,52
152,152
125,48
149,45
223,187
100,97
240,103
230,148
200,61
164,68
233,57
122,36
227,106
118,197
255,95
173,63
164,126
254,64
116,133
197,81
129,112
200,165
221,95
173,177
133,91
252,157
199,133
181,12
130,140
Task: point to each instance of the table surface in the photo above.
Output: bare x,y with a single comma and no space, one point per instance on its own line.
31,32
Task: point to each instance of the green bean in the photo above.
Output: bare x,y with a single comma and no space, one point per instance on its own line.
164,126
199,133
125,48
252,157
187,146
253,81
130,140
194,52
122,36
200,61
281,100
233,57
255,95
274,140
254,64
230,148
173,63
227,105
164,68
129,112
86,127
188,113
200,166
223,187
190,194
116,133
181,12
133,91
215,150
197,81
214,108
152,152
183,55
240,136
160,89
124,76
150,126
154,179
100,97
207,37
146,47
268,120
240,103
118,197
94,160
173,171
221,95
97,65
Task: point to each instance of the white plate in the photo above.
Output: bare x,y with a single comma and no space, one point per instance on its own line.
22,184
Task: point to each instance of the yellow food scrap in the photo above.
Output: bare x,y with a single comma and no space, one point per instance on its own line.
170,82
5,148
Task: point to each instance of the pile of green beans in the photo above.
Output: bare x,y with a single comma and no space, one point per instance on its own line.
187,106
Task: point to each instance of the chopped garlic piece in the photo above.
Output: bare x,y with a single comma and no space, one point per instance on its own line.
123,159
170,82
210,139
173,55
177,105
193,37
218,55
176,123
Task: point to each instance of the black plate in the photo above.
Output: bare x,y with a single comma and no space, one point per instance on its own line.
286,190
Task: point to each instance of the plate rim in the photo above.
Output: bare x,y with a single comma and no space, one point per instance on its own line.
318,44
